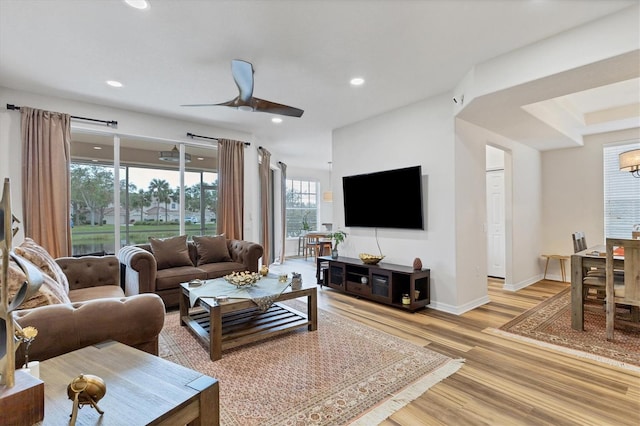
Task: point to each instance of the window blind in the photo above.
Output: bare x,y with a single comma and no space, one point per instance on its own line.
621,194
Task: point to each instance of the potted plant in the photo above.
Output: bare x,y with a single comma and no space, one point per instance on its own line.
305,224
338,237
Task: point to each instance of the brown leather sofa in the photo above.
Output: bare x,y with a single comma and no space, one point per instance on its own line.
141,269
100,310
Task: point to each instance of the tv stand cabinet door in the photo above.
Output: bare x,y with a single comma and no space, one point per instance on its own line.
336,276
381,287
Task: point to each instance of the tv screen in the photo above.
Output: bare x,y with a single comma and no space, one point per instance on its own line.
386,199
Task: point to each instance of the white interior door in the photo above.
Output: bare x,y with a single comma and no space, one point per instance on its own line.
496,224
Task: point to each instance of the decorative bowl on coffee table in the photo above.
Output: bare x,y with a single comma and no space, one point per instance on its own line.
243,279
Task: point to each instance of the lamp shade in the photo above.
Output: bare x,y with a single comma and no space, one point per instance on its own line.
630,162
173,156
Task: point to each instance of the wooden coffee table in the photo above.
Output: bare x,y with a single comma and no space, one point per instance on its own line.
142,389
224,325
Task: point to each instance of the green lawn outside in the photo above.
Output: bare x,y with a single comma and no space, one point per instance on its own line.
90,239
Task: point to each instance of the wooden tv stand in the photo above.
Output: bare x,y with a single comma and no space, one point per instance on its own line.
384,282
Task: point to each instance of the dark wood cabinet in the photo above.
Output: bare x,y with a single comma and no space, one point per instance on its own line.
396,285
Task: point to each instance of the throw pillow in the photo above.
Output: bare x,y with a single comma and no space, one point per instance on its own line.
43,297
212,249
170,252
40,257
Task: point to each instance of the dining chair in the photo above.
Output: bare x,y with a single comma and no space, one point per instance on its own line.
626,293
311,246
593,283
579,241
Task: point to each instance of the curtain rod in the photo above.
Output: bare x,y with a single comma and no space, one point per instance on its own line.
109,123
191,135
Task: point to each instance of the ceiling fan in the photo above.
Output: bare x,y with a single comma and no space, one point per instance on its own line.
243,75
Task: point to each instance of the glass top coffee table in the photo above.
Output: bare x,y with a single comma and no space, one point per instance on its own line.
248,315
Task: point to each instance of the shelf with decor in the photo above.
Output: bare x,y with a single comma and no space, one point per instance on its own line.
395,285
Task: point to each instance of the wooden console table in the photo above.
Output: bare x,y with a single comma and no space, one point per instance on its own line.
142,389
386,283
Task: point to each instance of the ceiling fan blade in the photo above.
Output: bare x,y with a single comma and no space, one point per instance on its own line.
243,76
273,108
200,105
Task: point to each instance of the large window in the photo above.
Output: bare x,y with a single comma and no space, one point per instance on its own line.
621,194
302,207
150,194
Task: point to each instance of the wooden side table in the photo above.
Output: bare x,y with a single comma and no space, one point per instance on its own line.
560,258
142,389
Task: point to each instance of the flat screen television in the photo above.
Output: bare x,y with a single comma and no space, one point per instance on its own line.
386,199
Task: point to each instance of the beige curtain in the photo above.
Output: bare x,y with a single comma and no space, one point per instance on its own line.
46,159
265,203
283,207
230,188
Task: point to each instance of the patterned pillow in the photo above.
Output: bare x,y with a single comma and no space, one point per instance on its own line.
170,252
39,256
212,249
43,297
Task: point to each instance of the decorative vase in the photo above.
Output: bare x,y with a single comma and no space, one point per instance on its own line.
334,254
417,264
296,281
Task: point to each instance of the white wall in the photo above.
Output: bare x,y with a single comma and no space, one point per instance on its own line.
495,158
522,207
418,134
572,188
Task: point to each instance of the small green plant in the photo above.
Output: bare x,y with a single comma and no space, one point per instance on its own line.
338,237
305,222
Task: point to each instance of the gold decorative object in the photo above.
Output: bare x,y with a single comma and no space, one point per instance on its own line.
8,341
26,335
243,279
370,259
264,270
283,278
86,389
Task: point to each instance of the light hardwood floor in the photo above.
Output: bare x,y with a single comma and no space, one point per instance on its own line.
502,382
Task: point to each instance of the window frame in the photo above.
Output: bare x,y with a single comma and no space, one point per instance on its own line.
621,192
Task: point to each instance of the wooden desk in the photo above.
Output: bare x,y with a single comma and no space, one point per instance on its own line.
579,262
142,389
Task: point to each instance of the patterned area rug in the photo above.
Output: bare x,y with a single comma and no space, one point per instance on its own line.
549,324
343,372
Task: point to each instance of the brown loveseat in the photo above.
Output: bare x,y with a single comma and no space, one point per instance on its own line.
99,311
151,272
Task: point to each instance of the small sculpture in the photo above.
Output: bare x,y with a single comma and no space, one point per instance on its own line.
86,389
417,264
296,281
26,335
264,270
26,289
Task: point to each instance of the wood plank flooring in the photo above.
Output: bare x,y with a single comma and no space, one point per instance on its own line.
502,382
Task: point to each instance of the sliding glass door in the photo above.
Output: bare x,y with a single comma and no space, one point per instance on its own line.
154,199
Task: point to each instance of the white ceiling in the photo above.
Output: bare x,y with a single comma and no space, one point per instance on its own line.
303,52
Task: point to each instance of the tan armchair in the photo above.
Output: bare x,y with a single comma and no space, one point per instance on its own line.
99,311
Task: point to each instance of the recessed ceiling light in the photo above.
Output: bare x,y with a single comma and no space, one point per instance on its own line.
200,158
114,83
138,4
357,81
276,120
97,147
